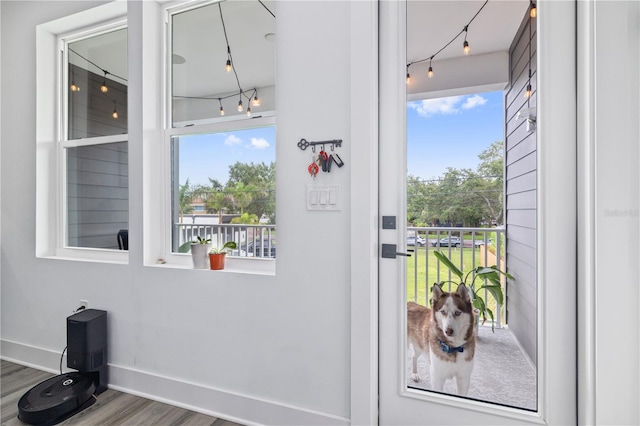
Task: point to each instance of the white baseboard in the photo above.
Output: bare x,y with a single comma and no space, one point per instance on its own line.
220,403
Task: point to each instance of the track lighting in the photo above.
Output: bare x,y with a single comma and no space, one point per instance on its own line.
115,111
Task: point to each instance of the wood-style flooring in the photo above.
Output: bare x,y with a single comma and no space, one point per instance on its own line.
111,408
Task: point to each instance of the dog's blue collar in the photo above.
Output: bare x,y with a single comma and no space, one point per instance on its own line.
450,349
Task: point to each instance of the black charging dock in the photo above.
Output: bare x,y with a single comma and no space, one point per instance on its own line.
60,397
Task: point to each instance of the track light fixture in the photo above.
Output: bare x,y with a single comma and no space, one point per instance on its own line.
465,45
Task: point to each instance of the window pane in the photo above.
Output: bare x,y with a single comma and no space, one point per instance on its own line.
97,195
225,178
97,102
201,46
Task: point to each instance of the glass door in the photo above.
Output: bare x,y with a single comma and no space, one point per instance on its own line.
492,380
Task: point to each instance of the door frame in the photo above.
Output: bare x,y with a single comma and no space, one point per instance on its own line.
556,126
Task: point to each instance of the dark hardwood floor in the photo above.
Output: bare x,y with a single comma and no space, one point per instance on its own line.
111,408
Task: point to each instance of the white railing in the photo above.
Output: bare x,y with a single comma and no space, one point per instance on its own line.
467,248
252,240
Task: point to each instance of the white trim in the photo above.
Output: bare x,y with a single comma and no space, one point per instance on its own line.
364,204
237,407
556,211
586,214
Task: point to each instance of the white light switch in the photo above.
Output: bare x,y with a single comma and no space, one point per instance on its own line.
323,197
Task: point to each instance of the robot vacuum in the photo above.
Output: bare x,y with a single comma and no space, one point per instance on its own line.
60,397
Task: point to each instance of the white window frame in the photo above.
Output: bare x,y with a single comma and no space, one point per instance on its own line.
51,136
163,223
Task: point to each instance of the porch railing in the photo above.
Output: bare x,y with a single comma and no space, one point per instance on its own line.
252,240
467,248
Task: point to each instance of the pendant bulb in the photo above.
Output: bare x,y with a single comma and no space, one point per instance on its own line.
240,108
465,47
408,78
256,101
221,111
74,88
527,93
228,66
248,111
430,72
533,12
104,88
115,111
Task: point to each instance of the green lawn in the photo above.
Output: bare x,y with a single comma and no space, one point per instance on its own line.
424,256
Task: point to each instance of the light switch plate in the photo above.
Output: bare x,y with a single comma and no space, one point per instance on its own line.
323,197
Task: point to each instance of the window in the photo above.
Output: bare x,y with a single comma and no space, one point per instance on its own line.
221,126
82,201
94,160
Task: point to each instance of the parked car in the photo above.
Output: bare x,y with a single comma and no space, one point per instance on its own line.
262,248
416,240
447,242
472,243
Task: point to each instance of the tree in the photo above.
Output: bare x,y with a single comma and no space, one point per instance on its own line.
186,196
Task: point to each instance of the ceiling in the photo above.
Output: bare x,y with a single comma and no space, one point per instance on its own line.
432,24
199,42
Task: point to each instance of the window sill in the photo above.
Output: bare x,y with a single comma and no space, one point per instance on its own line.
235,265
90,255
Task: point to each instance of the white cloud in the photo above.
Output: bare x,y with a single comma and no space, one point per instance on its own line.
232,140
429,107
259,143
474,101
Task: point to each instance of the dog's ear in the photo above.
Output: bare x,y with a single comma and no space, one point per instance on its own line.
436,291
463,292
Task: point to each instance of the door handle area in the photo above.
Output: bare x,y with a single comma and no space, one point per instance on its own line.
389,251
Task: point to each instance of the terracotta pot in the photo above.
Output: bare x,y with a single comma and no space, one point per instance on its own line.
216,260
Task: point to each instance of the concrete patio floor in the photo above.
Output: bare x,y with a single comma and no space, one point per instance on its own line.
502,373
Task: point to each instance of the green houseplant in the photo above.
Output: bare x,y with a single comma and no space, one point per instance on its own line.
199,250
217,254
492,285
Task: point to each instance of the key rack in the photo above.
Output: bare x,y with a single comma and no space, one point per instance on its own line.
303,144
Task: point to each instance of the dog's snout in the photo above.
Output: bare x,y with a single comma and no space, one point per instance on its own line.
449,331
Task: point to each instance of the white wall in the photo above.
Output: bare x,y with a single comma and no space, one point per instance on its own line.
255,348
609,237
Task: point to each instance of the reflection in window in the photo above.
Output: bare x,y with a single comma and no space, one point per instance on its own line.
97,78
97,194
95,147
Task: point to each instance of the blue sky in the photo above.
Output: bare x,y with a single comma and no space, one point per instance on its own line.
451,132
441,133
209,156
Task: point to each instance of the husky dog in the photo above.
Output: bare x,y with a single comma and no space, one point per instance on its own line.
447,332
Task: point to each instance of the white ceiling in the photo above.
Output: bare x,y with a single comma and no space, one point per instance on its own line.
199,39
432,24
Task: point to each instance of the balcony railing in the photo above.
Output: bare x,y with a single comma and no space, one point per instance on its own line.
467,248
252,240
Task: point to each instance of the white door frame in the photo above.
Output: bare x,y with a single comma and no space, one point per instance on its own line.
556,210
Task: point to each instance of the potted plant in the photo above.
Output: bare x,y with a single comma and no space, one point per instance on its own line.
199,250
494,287
217,255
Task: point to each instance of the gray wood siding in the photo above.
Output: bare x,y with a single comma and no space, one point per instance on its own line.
520,192
97,194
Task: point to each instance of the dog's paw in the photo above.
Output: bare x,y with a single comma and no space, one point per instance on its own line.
415,377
